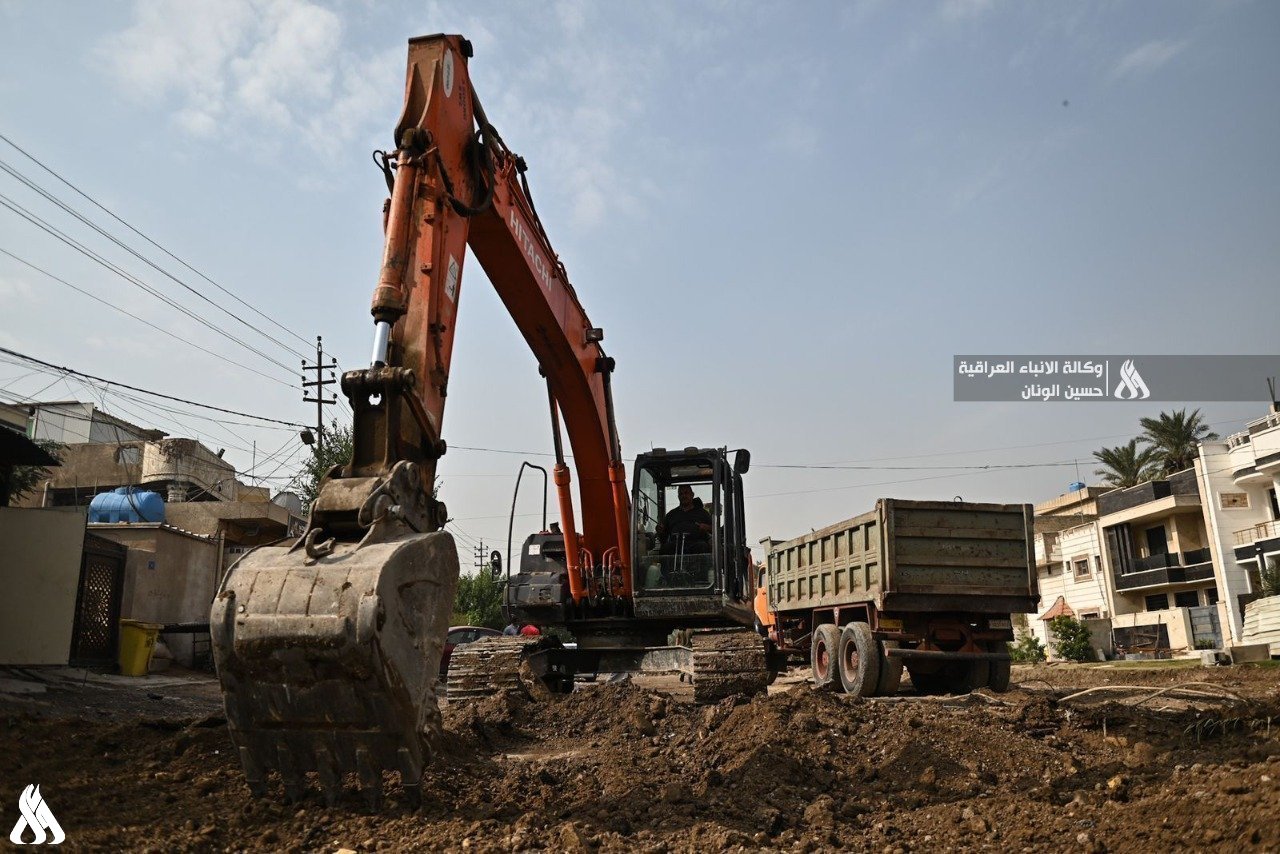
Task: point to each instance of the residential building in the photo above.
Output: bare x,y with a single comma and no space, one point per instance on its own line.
1160,566
1243,473
71,422
202,493
1068,559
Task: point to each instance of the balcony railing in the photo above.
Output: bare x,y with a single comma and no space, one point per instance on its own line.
1156,561
1163,569
1260,531
1195,556
1235,440
1264,423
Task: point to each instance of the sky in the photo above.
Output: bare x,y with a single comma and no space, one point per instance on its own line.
787,217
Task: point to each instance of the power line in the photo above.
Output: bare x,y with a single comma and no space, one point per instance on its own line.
73,372
31,185
68,183
54,231
141,320
123,222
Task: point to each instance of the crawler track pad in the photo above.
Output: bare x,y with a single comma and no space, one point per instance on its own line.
330,665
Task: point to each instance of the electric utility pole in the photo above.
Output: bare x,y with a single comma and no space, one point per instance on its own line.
319,384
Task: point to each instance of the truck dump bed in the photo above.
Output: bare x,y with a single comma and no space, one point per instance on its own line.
911,556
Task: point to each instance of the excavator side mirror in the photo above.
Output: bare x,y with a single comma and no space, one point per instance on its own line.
741,461
495,564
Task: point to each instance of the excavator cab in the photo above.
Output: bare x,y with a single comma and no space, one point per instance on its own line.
689,537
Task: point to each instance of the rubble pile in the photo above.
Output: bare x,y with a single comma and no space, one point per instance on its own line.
621,767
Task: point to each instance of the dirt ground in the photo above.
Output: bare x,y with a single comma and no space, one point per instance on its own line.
625,766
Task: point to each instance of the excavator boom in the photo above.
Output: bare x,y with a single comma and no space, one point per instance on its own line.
327,650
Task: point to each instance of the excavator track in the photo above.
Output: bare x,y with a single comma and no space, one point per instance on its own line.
726,663
486,667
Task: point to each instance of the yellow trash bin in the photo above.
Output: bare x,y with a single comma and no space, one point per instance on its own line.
137,640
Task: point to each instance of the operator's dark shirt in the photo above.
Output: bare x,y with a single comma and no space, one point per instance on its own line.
680,521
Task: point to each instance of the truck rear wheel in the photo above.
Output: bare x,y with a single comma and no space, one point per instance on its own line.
859,660
1000,671
890,671
966,676
823,662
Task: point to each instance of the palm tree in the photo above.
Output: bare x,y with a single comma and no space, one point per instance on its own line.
1175,437
1125,465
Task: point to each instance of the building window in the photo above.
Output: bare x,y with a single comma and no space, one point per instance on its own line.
1081,566
1233,500
1157,542
1089,615
1157,601
1211,596
1186,599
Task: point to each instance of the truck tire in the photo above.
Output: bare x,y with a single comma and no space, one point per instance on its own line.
966,676
823,657
859,660
1000,671
890,671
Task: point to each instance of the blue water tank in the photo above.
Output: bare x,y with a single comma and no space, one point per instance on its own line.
1075,486
126,504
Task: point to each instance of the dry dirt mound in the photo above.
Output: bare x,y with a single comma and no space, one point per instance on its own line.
621,768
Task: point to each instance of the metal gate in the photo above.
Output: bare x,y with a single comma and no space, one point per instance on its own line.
97,627
1205,625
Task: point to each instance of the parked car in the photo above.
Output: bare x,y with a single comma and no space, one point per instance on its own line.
459,635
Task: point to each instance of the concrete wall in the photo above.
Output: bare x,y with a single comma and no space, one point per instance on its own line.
188,461
170,577
39,573
1176,621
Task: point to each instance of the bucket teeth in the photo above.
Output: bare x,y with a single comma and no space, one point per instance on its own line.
295,785
370,779
330,779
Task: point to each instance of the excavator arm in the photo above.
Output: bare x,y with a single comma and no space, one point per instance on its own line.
327,650
454,184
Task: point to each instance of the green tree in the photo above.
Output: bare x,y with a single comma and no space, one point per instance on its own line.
1269,577
479,600
1175,437
1027,650
336,451
1126,465
17,481
1071,638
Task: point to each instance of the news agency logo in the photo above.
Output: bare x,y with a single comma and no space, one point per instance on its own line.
36,817
1131,385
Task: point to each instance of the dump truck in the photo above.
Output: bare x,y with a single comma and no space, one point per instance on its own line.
929,585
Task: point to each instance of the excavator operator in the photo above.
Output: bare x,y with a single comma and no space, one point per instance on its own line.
687,528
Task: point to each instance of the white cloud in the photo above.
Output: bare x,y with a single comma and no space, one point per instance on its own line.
1147,58
269,70
15,289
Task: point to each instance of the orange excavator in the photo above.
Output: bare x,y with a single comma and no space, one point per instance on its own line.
327,649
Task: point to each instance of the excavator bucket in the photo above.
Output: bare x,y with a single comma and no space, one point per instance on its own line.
329,659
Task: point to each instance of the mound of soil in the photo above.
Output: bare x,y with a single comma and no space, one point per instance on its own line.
619,767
